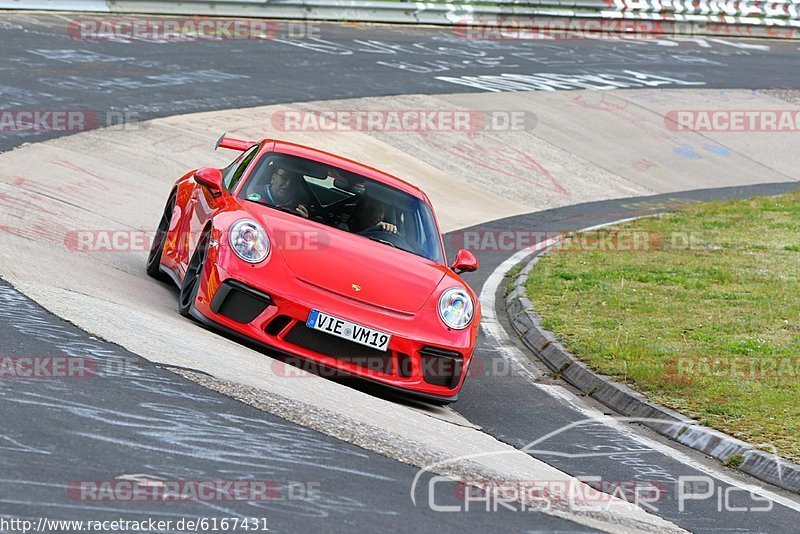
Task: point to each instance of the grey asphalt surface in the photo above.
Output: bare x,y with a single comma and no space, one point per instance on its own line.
133,420
151,421
43,67
507,407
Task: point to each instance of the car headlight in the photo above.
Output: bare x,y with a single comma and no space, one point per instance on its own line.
456,308
249,241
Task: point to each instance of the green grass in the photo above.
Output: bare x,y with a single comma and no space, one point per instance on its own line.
703,316
735,460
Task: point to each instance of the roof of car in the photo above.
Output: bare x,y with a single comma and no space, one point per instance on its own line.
285,147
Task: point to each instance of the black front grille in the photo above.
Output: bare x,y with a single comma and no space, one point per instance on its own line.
277,325
238,302
403,365
441,367
341,349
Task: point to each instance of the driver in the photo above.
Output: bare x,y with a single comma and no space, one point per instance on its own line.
286,190
369,214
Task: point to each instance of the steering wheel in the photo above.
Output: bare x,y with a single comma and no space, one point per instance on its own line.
390,238
314,207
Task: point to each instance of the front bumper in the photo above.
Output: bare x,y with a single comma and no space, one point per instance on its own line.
423,358
200,318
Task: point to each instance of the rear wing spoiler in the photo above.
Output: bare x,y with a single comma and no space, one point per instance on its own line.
234,144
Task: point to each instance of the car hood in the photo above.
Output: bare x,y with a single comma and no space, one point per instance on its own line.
351,265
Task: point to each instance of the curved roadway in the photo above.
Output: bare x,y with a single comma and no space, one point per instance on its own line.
140,420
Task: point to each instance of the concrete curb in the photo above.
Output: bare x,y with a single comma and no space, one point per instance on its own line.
620,398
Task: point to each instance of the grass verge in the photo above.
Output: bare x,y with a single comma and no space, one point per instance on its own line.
699,309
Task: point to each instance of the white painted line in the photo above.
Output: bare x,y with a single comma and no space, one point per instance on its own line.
495,331
490,324
612,422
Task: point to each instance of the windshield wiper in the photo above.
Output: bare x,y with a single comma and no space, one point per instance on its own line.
382,241
392,245
285,209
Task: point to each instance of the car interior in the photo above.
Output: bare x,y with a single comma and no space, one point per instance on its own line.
334,197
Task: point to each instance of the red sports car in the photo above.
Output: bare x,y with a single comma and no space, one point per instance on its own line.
324,259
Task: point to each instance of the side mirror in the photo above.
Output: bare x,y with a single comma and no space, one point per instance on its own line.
210,177
465,262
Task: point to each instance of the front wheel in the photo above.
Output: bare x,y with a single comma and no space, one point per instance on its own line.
194,272
157,248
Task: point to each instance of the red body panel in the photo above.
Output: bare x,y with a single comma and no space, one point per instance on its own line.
398,292
337,260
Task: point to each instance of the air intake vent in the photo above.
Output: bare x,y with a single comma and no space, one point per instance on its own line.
238,302
441,367
276,325
403,365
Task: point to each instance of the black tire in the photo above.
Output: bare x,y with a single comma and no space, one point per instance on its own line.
157,248
191,282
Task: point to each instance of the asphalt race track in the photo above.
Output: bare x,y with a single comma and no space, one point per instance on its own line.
139,419
147,422
41,63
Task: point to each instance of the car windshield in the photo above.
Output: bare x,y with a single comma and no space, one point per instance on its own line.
346,201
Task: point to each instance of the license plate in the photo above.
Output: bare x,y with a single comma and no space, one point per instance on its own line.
347,330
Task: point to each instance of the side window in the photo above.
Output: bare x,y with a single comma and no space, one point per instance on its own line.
228,171
234,172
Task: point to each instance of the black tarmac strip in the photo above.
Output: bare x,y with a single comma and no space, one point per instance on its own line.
45,66
69,447
506,405
143,419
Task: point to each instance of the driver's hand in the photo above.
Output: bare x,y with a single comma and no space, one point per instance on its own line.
387,227
302,210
